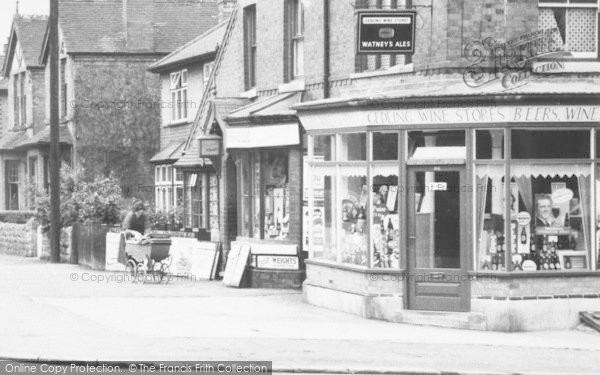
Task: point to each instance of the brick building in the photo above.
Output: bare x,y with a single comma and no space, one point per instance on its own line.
109,101
24,145
408,157
3,101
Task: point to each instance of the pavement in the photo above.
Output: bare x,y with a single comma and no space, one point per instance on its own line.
65,313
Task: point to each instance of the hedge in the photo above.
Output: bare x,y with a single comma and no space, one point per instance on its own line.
16,217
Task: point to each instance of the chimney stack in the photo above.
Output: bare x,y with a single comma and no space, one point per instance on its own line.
225,8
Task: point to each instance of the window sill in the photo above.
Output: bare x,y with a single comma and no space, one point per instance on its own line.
250,94
293,86
353,267
533,274
562,66
398,69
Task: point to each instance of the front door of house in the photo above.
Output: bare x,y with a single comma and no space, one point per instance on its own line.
437,251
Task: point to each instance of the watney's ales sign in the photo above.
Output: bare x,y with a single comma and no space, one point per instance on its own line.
386,32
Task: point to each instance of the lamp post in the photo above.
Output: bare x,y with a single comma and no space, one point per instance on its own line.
54,135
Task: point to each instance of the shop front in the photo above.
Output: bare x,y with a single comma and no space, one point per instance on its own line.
263,141
471,212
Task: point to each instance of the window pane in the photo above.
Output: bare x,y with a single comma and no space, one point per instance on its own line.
385,146
276,198
489,144
353,147
323,147
246,198
490,217
557,198
256,209
385,228
352,204
437,145
556,144
581,30
322,242
184,103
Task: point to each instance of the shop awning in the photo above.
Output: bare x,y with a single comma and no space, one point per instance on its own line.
439,155
262,136
269,122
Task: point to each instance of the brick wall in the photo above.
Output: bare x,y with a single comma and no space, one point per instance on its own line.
230,80
3,112
18,239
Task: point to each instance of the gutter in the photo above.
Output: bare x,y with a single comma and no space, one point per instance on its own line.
326,50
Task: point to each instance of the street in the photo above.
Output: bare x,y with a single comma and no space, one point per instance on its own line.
47,316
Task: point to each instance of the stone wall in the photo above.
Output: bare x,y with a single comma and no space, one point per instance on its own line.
18,239
43,244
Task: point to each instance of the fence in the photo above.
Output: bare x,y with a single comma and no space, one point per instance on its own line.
89,241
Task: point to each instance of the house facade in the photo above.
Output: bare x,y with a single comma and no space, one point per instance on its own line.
405,159
25,143
110,103
186,191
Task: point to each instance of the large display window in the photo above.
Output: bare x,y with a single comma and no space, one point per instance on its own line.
264,195
545,223
353,197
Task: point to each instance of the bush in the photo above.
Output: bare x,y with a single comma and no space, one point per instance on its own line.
96,200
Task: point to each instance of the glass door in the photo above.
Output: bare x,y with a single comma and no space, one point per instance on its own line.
437,247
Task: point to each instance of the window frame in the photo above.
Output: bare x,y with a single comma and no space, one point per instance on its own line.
250,47
569,4
179,96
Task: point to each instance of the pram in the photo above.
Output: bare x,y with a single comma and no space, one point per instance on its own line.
148,257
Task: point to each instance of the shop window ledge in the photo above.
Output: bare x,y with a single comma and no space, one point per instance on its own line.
537,274
354,268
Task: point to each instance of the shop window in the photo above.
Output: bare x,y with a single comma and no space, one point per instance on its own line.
352,201
276,196
442,145
353,147
195,200
489,144
385,224
321,221
490,216
557,199
264,189
576,22
385,146
550,144
323,147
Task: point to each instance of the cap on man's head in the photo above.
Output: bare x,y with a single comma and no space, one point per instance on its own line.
138,206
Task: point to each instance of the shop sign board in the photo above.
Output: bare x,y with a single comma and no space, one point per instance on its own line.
452,115
277,262
386,32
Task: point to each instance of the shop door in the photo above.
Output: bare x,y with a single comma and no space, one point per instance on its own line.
437,251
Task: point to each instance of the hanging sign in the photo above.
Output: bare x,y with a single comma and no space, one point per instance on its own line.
386,32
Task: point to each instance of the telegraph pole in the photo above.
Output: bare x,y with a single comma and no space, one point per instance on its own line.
54,135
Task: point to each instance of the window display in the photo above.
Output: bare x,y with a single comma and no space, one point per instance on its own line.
385,227
557,198
264,189
353,200
491,207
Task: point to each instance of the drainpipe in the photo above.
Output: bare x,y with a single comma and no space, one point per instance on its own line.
326,50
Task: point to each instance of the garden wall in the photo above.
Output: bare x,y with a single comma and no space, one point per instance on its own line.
18,239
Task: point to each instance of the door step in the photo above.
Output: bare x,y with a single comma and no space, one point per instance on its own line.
446,319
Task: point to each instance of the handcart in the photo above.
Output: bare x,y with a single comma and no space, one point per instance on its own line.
148,259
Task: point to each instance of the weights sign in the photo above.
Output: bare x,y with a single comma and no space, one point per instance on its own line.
386,32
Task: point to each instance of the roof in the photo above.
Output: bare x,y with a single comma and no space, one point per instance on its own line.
9,140
202,47
43,138
170,153
147,26
457,88
29,32
273,106
3,82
